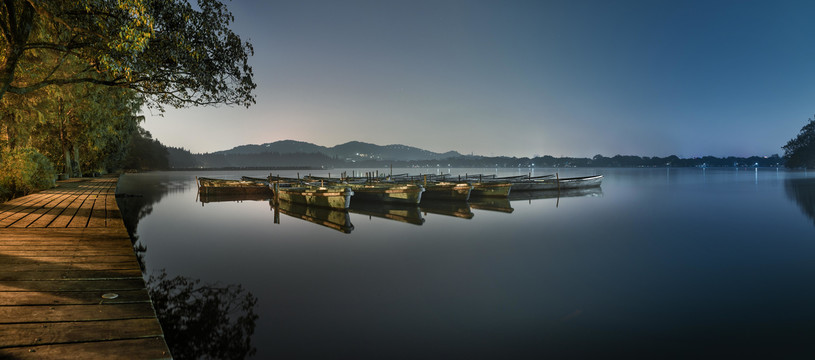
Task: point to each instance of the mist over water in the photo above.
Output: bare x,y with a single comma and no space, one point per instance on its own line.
658,263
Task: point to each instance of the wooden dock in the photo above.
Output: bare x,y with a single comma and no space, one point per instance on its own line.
70,284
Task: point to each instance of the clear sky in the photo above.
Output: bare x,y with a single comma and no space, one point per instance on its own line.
519,78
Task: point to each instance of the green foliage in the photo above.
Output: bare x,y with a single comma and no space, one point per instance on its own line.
800,151
167,50
25,170
145,153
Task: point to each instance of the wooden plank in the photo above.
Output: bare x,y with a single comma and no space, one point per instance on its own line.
35,215
15,205
71,297
25,210
57,250
66,247
68,260
77,235
65,266
10,209
45,313
97,215
73,285
68,213
72,275
149,348
48,213
37,334
83,215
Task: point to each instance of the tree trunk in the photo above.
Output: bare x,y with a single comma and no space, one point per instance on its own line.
76,159
16,31
5,130
67,160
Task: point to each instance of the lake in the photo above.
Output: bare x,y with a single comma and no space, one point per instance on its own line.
659,263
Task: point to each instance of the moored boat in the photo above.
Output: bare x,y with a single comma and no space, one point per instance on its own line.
491,189
387,192
335,197
210,186
580,182
444,190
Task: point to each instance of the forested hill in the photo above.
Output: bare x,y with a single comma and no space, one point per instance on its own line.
350,151
290,153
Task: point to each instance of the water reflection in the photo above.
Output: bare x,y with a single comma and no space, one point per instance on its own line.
459,209
340,220
547,194
212,198
803,192
398,212
492,204
204,321
135,201
331,218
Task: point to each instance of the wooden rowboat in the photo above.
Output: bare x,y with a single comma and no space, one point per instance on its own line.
335,197
491,189
581,182
211,186
382,192
445,190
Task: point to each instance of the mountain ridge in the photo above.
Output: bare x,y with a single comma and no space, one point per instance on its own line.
352,150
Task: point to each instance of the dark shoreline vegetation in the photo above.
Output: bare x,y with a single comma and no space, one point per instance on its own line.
181,159
75,77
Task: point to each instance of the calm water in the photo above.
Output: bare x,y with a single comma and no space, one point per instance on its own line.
660,263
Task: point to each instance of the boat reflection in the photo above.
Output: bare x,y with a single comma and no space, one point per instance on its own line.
399,212
340,219
492,204
211,198
332,218
459,209
554,194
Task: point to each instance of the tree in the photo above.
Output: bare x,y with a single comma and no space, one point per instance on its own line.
800,151
145,153
166,50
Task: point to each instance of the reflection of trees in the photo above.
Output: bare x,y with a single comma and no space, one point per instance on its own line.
204,321
803,192
135,196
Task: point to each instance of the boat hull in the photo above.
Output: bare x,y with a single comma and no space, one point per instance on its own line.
207,186
560,184
386,193
335,198
491,189
447,191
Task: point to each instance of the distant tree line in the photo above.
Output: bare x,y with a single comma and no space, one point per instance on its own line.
180,158
800,151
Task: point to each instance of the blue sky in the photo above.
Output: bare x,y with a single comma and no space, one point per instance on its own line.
519,78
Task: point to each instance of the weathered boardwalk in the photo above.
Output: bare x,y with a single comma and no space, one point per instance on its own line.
61,250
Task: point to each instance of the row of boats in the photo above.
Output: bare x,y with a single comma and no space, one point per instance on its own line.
340,219
337,193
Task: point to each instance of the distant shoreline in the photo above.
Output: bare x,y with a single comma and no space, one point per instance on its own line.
246,168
